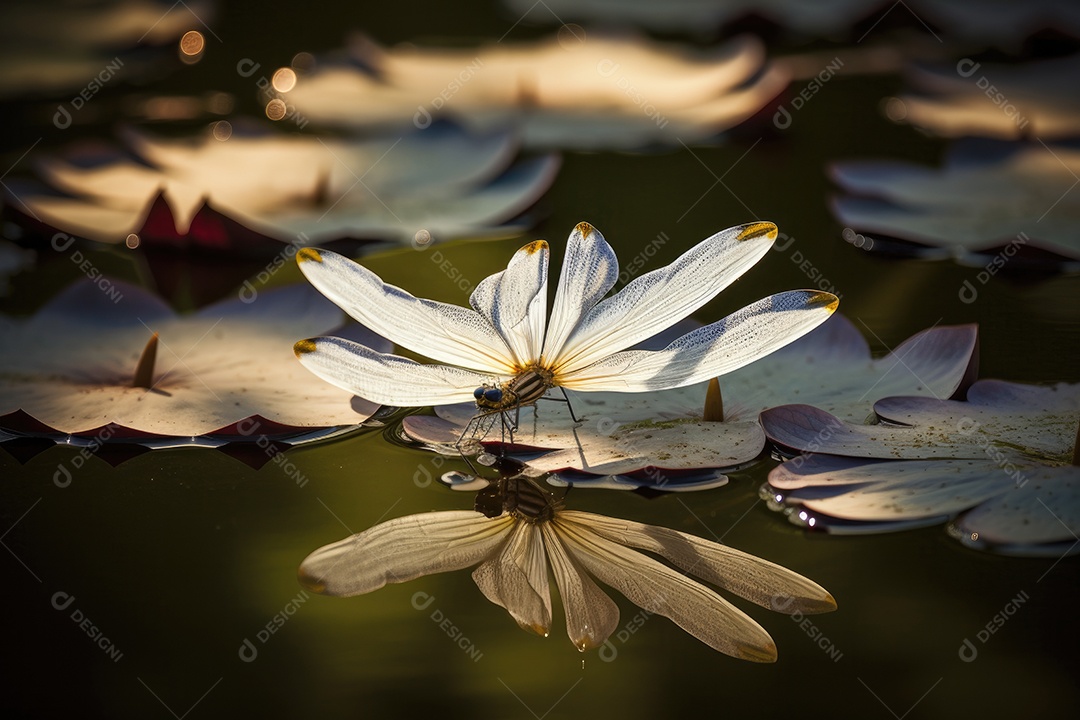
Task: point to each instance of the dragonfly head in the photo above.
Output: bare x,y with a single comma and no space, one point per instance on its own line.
489,397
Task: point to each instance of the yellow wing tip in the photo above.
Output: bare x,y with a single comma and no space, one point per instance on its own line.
312,583
534,247
308,255
584,228
764,653
304,347
756,230
829,301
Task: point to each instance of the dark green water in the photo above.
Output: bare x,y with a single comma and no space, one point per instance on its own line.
180,556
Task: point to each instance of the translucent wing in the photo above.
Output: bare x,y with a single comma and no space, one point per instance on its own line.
748,576
442,332
403,549
591,616
660,298
516,578
659,589
387,379
726,345
514,302
589,270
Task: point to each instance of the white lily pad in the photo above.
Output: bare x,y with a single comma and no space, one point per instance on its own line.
1045,509
1007,452
570,91
72,365
1010,102
987,196
57,46
298,189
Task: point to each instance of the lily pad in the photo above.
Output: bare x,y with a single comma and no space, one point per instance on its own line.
79,367
1008,452
987,196
568,91
444,183
52,47
658,433
1010,102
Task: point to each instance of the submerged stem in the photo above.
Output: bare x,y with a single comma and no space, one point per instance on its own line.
714,403
144,371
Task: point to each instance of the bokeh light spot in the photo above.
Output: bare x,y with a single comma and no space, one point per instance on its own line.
895,109
275,109
191,46
284,79
222,130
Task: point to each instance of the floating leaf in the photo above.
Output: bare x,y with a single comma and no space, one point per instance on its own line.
228,368
569,91
1007,452
298,189
57,46
1011,102
987,196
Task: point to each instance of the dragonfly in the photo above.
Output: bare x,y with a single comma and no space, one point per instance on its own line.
517,490
519,532
504,352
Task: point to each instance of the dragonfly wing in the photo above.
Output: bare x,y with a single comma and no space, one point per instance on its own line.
657,588
514,302
589,271
443,332
729,344
403,549
658,299
760,581
387,379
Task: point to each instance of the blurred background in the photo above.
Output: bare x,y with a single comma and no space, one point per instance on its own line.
435,139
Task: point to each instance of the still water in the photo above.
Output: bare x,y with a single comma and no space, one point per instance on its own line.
166,585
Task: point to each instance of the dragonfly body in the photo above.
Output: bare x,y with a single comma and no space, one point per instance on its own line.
520,391
516,493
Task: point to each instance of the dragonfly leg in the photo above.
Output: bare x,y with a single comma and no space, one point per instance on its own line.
569,406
